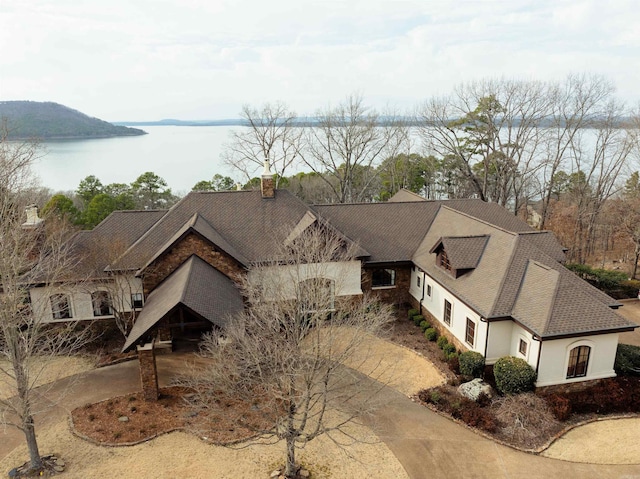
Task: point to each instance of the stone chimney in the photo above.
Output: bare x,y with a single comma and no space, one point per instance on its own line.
267,183
32,217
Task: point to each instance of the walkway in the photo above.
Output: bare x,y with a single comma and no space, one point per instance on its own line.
426,444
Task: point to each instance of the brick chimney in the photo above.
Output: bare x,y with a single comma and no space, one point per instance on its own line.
267,183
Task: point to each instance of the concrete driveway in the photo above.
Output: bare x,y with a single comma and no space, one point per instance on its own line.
426,444
631,311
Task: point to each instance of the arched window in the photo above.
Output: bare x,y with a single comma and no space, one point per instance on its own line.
578,362
316,294
101,302
60,306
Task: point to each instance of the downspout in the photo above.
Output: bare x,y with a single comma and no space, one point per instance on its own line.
421,299
539,339
486,341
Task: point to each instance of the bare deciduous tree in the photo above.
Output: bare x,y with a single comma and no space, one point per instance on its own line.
347,144
33,253
287,353
272,134
490,131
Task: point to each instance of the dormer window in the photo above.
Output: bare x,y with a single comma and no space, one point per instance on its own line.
459,255
444,260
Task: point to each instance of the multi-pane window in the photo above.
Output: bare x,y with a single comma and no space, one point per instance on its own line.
447,312
578,362
429,290
470,334
418,281
383,277
60,306
522,347
101,303
137,301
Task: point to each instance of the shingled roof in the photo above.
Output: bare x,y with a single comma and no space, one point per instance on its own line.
515,278
192,286
392,231
109,239
254,227
463,252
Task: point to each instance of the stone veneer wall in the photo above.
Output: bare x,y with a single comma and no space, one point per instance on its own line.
190,244
148,373
441,328
398,295
567,388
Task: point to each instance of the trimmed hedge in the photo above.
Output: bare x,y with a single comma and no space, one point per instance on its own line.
627,359
449,351
471,364
431,334
442,341
424,325
411,313
513,375
417,319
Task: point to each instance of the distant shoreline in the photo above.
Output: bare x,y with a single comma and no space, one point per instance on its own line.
74,138
236,122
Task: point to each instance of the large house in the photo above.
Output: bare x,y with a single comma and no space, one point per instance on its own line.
487,280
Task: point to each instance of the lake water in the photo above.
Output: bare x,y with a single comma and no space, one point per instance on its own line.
182,155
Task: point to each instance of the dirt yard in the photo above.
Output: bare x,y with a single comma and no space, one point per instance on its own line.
180,454
613,441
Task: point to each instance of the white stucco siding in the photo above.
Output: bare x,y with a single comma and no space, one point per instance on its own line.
499,341
554,358
434,304
41,303
79,297
280,281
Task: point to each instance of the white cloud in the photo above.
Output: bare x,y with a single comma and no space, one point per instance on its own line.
144,59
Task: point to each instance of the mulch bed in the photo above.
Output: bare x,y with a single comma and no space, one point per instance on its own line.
407,334
129,419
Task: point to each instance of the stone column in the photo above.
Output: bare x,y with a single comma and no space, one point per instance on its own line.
148,372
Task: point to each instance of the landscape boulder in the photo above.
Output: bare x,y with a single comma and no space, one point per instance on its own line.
474,388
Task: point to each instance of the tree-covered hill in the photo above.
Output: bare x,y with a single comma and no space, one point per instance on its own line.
49,121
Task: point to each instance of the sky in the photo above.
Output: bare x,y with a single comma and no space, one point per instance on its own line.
142,60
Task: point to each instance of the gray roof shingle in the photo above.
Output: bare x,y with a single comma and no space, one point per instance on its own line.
464,252
252,224
195,285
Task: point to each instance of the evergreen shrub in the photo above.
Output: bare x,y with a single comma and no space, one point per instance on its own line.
471,364
513,375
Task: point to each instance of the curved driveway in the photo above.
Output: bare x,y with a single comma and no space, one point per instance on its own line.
426,444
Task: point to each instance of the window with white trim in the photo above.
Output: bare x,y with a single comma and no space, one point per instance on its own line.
470,332
578,362
101,303
522,347
137,301
429,290
448,312
61,306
